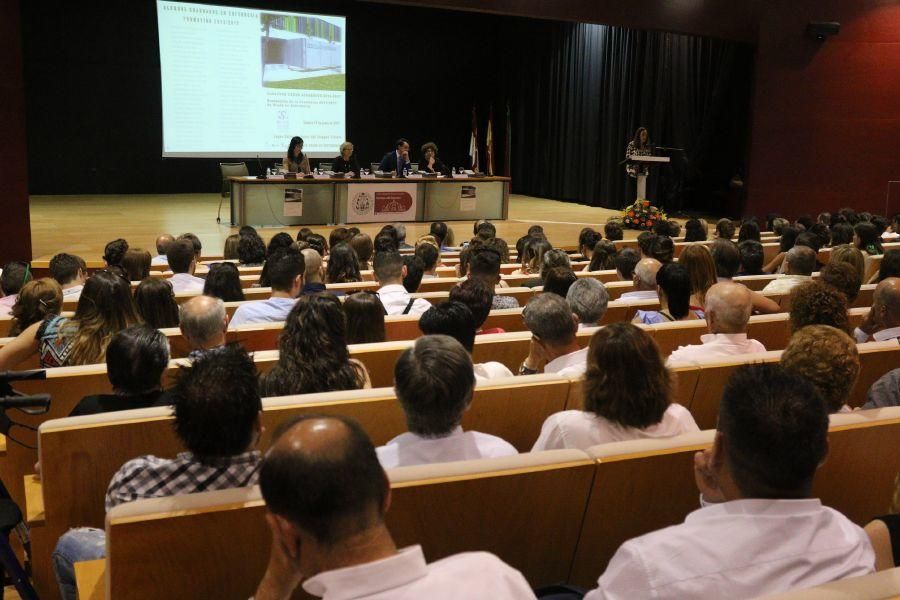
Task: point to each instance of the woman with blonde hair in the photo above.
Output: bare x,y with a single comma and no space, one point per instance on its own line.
853,256
231,247
532,254
701,268
345,162
38,299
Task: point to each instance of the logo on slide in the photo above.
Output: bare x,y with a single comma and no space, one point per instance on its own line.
362,203
392,202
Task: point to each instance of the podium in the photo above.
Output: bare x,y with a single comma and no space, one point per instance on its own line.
640,159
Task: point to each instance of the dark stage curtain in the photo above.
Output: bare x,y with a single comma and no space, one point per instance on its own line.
580,91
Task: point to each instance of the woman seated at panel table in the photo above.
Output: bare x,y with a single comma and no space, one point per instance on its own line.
296,161
346,162
430,162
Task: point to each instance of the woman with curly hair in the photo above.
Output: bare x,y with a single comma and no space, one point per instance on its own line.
38,299
313,354
828,358
343,265
815,303
603,257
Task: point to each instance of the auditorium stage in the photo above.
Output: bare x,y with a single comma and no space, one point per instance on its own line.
83,225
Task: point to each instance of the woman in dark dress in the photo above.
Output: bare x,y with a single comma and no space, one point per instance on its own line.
430,162
346,162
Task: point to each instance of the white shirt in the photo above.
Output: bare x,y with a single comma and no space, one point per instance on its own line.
8,301
406,576
185,282
573,364
162,259
75,290
640,295
410,449
785,283
739,549
490,370
581,429
272,310
716,344
879,336
395,298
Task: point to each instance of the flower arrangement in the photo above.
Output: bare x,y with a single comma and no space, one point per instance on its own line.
641,215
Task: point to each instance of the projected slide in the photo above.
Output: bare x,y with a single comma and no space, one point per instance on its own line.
238,82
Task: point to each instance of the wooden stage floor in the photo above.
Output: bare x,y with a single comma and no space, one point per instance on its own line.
83,225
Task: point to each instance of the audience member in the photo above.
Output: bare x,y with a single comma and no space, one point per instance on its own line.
644,280
778,225
415,270
890,266
136,263
286,271
365,318
728,310
645,241
385,243
531,256
603,257
749,231
479,297
848,254
430,256
587,239
727,259
558,280
338,235
485,265
844,278
313,355
549,259
701,269
613,231
362,245
554,347
343,266
618,405
318,243
816,303
752,258
155,303
626,260
195,242
883,320
674,291
251,251
885,391
114,252
389,273
70,272
37,300
828,359
867,239
224,281
799,262
441,233
725,229
758,532
662,249
217,418
183,262
203,322
230,251
499,246
314,274
694,231
588,300
14,276
841,233
327,494
162,249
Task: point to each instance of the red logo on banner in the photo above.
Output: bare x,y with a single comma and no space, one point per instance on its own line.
392,202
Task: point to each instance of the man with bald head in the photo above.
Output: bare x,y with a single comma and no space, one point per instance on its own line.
728,309
799,264
326,496
203,322
644,281
883,321
162,248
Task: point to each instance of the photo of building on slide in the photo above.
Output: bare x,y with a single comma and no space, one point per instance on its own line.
301,53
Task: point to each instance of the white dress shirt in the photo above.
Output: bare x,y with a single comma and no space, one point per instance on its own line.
185,282
75,290
272,310
785,283
162,259
406,576
879,336
573,364
739,549
410,449
715,344
395,298
490,370
640,295
580,429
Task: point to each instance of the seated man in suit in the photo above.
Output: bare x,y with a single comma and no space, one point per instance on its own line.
759,531
396,160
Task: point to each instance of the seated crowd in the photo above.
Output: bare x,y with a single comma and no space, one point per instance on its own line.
757,529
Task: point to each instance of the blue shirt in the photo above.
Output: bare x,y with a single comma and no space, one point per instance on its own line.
272,310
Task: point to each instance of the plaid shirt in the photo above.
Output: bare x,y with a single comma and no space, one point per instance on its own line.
153,477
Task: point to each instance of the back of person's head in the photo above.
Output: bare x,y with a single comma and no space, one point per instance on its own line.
313,261
728,307
886,302
788,238
827,358
810,240
362,245
181,255
674,228
429,255
478,295
554,258
588,300
587,239
549,318
105,306
415,271
779,224
604,256
694,231
232,242
155,302
645,273
217,403
660,227
851,255
251,231
775,429
385,243
725,228
645,241
318,243
674,281
224,281
202,321
822,233
815,303
38,299
338,235
868,238
841,233
434,382
251,250
115,251
662,249
322,475
752,257
626,260
136,358
727,257
536,230
558,280
800,260
365,318
162,243
64,268
136,263
343,264
843,277
701,267
484,263
284,268
611,390
613,230
14,276
279,241
440,232
485,229
749,231
890,265
533,253
804,221
451,318
195,242
388,266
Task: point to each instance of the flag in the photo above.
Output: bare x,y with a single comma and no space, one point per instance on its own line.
508,146
473,142
489,144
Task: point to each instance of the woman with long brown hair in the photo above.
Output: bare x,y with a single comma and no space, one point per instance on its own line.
38,299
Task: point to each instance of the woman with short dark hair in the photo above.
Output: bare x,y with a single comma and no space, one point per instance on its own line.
694,231
136,263
430,162
224,281
866,238
603,257
627,395
155,303
365,318
673,284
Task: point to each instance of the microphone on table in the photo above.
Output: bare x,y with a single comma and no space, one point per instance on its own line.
262,172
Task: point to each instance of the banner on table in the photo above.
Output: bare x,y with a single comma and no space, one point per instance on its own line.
381,202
